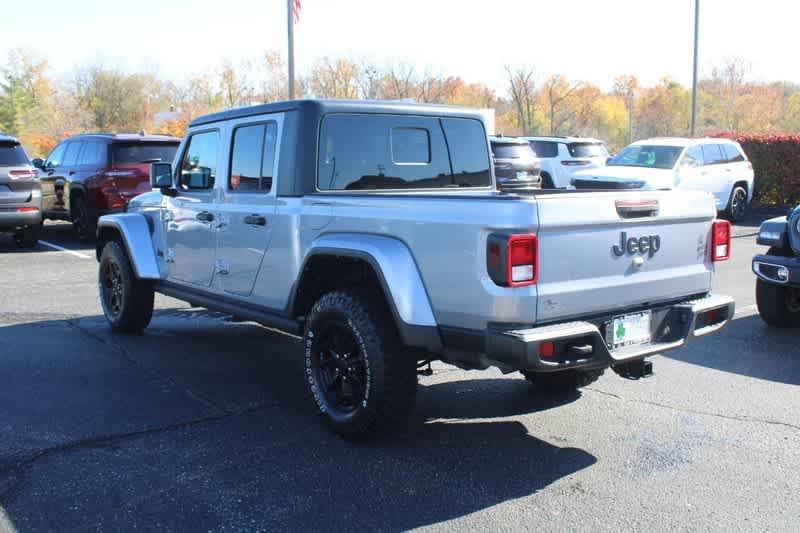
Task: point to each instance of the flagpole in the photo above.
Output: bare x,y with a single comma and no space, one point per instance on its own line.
290,32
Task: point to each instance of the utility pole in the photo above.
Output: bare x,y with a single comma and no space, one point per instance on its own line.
694,73
290,31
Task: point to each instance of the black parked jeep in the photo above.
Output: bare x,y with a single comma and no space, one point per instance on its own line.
778,271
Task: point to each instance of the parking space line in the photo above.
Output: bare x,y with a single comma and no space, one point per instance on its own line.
62,249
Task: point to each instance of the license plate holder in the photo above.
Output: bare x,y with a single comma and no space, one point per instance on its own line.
630,329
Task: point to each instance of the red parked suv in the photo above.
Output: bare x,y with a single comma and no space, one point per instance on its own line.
87,176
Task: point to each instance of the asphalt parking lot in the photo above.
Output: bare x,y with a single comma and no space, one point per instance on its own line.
204,424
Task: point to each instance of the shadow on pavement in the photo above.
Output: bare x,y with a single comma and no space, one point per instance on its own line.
776,357
58,233
202,422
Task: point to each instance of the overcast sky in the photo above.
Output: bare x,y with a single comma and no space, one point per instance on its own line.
590,40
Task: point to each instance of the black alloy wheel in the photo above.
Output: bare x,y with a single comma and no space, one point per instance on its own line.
339,367
738,207
112,288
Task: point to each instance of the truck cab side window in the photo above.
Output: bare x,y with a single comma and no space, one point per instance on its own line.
199,164
253,158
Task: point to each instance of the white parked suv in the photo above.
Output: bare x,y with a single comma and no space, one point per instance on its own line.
561,157
718,166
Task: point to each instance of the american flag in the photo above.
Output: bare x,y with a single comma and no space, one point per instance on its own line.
296,10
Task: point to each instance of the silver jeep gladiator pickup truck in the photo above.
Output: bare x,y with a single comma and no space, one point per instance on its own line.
374,230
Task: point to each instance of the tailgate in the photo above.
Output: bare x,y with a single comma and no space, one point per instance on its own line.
585,266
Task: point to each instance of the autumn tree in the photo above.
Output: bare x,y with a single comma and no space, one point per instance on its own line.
334,78
23,87
626,87
557,94
663,110
522,90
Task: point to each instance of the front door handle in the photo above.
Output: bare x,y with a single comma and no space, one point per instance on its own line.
255,220
71,172
205,216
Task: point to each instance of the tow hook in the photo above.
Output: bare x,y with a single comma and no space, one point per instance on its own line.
634,369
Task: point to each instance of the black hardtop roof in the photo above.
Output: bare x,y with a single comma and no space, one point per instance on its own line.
322,107
125,137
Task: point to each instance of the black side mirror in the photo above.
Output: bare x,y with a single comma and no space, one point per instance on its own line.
38,163
161,175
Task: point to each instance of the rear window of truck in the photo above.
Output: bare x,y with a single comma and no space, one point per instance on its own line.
386,152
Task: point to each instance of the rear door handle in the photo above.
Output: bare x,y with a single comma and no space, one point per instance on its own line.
255,220
205,216
71,172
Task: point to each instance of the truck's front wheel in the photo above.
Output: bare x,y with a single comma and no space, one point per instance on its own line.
357,372
565,380
127,301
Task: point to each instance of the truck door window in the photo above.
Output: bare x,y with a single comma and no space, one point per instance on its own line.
199,164
253,158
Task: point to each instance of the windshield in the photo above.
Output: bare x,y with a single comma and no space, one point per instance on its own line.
644,155
587,150
143,152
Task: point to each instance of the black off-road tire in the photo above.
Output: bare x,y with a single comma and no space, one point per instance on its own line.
389,372
563,381
778,306
127,302
28,236
84,223
737,205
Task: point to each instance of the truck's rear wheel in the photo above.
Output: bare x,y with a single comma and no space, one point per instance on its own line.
127,301
360,378
565,380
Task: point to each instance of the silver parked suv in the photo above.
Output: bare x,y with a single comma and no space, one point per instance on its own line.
20,194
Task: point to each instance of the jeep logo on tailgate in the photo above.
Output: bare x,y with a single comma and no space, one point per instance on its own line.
648,244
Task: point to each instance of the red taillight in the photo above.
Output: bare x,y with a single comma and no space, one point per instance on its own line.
22,173
511,260
721,240
27,209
